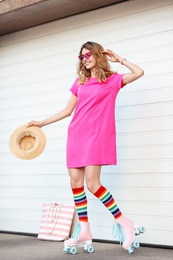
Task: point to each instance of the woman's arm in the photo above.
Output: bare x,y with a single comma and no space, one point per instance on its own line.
67,111
136,72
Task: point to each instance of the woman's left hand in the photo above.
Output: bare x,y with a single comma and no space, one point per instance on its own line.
112,56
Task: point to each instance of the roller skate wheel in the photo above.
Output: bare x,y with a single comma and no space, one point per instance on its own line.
136,244
73,250
90,249
142,229
130,250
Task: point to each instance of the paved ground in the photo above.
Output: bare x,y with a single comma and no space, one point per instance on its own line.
19,247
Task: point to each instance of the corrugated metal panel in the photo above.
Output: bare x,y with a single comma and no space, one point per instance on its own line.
37,68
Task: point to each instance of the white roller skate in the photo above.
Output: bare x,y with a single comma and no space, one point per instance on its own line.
125,230
81,237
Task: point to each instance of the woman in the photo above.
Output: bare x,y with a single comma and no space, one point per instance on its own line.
92,135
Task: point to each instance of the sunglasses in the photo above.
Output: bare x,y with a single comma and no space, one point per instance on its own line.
86,56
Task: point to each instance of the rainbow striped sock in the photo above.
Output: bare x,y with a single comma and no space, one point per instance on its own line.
80,201
106,198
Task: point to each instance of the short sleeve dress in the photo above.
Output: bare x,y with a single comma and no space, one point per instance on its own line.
92,131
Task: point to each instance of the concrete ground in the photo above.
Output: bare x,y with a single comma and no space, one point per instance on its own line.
20,247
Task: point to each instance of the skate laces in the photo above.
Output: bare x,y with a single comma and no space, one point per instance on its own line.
76,232
118,231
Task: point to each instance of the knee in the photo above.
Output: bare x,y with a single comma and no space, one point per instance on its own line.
92,187
76,177
76,183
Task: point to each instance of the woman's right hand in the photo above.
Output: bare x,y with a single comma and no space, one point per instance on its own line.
33,123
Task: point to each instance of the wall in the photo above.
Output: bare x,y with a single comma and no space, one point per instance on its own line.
37,68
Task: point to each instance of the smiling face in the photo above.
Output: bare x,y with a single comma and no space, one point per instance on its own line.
88,60
92,63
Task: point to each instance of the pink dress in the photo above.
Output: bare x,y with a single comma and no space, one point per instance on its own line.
92,132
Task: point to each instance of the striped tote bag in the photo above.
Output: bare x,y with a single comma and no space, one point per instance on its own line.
56,221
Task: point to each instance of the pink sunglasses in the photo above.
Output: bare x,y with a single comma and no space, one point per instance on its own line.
86,56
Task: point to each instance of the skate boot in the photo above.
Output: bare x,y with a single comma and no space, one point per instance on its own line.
125,230
81,237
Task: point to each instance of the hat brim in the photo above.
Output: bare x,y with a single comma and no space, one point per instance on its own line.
27,142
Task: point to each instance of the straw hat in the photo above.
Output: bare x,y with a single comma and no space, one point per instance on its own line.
27,142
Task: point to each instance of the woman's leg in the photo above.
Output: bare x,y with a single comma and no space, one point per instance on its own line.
92,175
94,186
76,177
79,195
82,234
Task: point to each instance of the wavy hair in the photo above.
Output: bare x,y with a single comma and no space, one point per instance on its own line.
103,69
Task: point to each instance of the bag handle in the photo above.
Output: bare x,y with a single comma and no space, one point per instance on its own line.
54,214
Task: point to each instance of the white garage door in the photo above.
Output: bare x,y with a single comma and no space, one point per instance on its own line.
37,68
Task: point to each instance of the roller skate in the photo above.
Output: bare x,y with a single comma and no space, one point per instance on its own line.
125,230
81,237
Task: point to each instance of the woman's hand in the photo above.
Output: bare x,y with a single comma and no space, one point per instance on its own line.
33,123
136,72
112,56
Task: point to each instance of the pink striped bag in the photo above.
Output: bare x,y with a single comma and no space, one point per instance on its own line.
56,221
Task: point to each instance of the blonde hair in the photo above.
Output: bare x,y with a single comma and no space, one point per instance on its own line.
103,69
